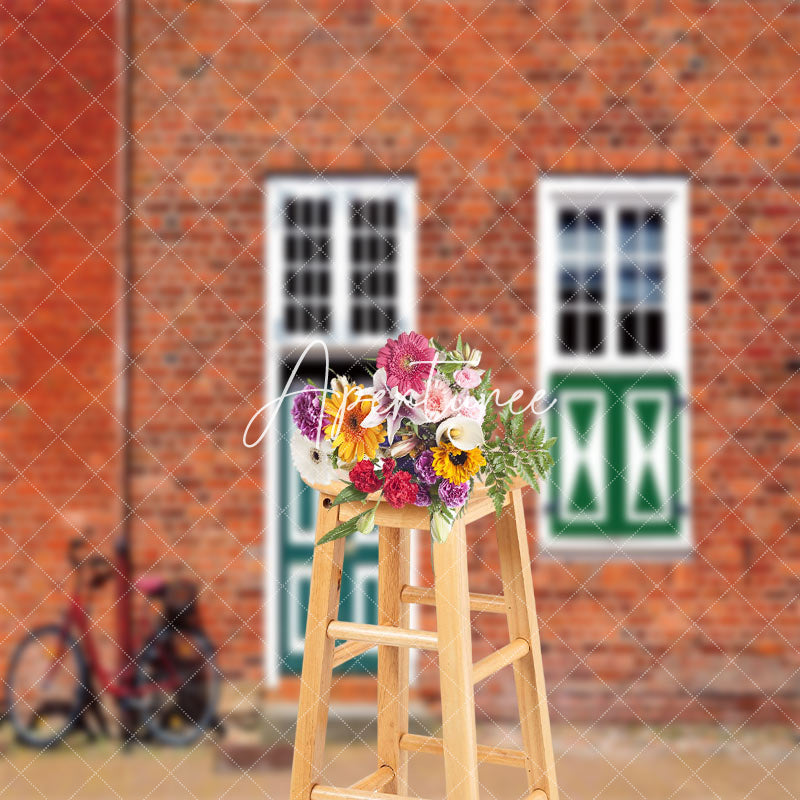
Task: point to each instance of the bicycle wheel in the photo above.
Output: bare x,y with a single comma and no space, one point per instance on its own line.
177,686
46,686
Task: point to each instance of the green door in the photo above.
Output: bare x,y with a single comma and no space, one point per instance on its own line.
297,510
618,455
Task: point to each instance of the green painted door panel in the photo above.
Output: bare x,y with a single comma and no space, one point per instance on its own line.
297,510
618,456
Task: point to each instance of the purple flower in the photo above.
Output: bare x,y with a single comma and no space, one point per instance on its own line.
454,495
306,413
423,466
423,498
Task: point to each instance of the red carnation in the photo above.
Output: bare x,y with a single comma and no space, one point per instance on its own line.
364,478
400,490
387,468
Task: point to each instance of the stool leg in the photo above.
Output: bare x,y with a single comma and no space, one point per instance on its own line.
394,550
315,683
455,665
515,569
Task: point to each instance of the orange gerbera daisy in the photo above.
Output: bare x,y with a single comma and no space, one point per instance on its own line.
347,410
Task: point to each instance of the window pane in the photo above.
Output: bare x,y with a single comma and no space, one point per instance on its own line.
654,332
593,232
374,241
569,285
641,280
628,225
594,332
652,239
306,265
594,284
628,285
568,231
653,281
581,280
568,332
627,325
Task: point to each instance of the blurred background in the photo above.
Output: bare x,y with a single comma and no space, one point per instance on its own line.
602,197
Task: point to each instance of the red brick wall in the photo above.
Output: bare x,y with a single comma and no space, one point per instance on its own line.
59,297
477,101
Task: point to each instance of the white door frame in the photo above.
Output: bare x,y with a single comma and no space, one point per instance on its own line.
338,342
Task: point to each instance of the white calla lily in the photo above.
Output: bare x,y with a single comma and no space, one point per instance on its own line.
464,433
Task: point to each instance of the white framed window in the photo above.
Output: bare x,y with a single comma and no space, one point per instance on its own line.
613,325
341,255
613,277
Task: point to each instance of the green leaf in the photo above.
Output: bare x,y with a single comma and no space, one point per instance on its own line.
348,495
345,528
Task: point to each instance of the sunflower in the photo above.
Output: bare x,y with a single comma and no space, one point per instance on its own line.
347,410
457,466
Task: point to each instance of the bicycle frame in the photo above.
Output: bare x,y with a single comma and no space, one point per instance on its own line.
121,686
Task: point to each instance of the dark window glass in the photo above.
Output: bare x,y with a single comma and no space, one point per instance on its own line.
594,332
654,332
627,325
375,230
568,332
306,252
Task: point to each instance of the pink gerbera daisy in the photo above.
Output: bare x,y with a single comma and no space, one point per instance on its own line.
408,361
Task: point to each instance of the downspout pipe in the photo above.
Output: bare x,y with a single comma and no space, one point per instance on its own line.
124,544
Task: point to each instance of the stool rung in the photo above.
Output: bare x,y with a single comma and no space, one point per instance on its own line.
490,603
537,794
383,634
375,781
509,757
332,793
494,662
345,652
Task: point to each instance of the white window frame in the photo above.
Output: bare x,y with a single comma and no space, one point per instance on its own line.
609,193
340,340
341,191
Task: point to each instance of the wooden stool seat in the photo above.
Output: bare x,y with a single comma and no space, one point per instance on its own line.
452,640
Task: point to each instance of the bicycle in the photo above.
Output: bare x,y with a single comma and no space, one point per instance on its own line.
170,689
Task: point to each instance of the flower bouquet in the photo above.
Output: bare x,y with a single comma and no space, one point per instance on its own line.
427,429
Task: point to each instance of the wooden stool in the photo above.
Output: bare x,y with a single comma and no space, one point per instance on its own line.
453,641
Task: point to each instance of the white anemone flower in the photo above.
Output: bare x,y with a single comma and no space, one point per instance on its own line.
312,462
464,433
